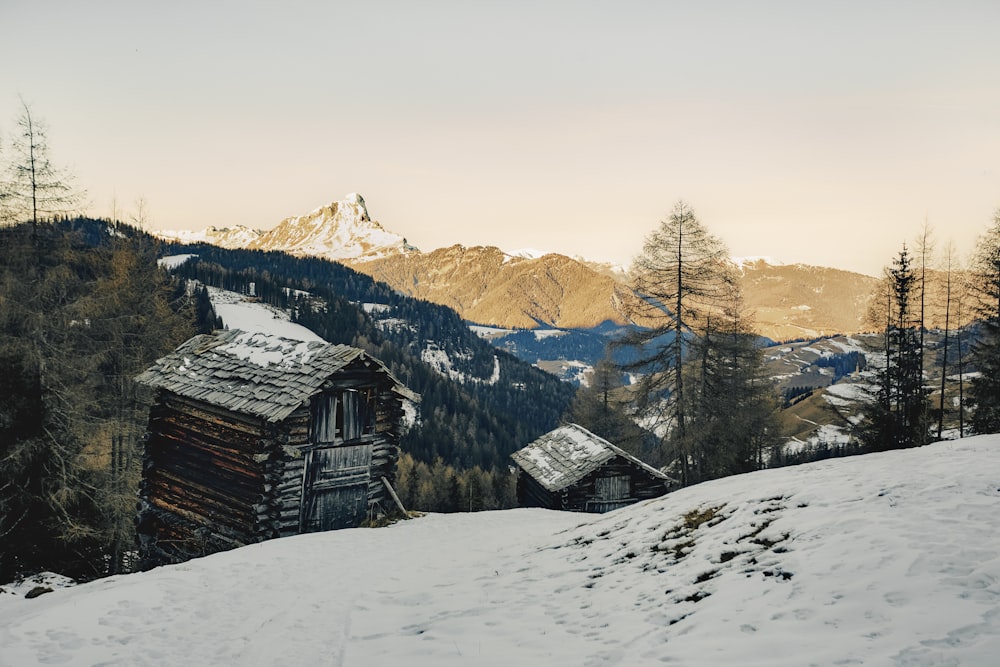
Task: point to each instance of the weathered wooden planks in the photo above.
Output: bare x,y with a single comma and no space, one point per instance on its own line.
219,471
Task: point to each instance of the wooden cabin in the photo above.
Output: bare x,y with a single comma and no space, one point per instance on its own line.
253,437
572,469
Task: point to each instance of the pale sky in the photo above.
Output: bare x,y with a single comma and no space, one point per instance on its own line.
823,133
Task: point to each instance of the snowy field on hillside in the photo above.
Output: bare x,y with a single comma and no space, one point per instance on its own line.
886,559
238,312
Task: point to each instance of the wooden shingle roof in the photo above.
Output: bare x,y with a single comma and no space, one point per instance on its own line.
254,373
563,457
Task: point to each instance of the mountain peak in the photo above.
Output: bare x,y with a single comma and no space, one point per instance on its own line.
350,207
341,230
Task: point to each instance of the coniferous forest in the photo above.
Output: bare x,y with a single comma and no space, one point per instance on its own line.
84,308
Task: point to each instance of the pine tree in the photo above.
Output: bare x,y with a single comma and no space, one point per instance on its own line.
897,416
77,323
733,405
985,389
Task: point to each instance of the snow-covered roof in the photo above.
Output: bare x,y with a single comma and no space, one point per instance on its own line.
564,456
255,373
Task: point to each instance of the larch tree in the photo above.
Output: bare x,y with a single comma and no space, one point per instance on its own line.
681,276
35,187
77,323
949,258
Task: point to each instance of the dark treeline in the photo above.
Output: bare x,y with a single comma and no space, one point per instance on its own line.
83,308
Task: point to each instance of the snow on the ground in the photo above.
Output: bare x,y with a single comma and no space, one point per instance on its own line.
825,434
848,345
438,359
850,391
35,584
542,334
886,559
238,312
173,261
489,333
848,394
376,307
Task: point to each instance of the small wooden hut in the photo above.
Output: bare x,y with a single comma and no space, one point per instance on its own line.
572,469
253,437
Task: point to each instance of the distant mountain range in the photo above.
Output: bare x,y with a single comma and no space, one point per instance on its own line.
558,313
530,290
341,231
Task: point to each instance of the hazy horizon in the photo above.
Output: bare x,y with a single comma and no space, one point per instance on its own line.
823,135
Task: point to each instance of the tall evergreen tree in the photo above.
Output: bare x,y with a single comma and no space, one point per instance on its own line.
733,405
897,415
985,389
77,323
681,275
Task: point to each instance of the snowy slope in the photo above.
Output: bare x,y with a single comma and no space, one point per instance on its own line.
887,559
238,312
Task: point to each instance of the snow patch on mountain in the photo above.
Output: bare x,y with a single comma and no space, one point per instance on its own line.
238,311
173,261
750,260
438,359
525,253
223,237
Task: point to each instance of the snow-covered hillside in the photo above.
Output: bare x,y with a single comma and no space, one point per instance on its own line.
239,312
886,559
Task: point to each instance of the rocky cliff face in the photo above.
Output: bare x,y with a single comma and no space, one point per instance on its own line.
341,230
488,286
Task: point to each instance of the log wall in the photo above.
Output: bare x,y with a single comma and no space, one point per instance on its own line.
215,480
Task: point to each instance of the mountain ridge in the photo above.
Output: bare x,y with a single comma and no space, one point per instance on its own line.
528,289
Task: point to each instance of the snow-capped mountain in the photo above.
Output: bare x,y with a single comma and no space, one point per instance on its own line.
223,237
340,231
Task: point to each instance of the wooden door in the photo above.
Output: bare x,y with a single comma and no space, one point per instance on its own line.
335,494
610,494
